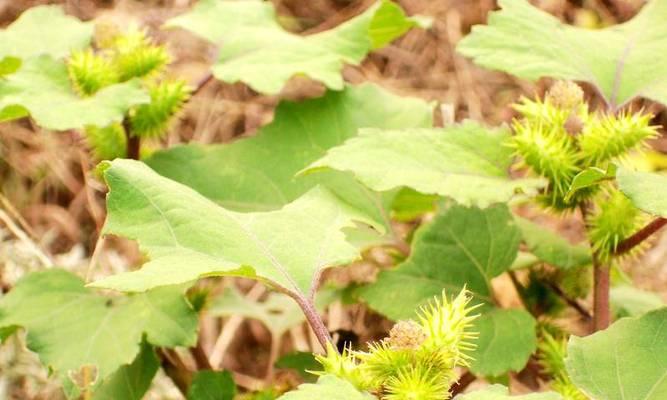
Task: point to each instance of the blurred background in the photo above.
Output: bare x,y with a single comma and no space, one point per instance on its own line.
52,206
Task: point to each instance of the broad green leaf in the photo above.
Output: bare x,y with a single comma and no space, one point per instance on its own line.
591,176
646,190
499,392
620,61
129,382
256,50
278,312
460,247
552,248
629,301
257,174
507,338
466,162
625,361
70,326
327,387
212,385
187,236
44,30
41,88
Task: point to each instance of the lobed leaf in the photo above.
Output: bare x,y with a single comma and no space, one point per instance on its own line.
257,174
620,61
625,361
70,326
466,162
460,247
256,50
41,88
507,338
646,190
187,236
44,30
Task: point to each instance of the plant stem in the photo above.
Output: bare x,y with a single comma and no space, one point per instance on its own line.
641,235
133,141
601,309
314,319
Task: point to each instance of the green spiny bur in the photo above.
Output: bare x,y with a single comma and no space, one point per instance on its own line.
136,56
606,137
615,219
551,355
90,72
418,359
152,119
107,143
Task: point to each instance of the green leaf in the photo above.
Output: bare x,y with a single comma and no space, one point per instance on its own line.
187,236
44,30
625,361
129,382
301,362
278,312
499,392
42,89
466,162
591,176
628,301
212,385
327,387
256,50
460,247
551,247
646,190
507,338
257,174
70,326
620,61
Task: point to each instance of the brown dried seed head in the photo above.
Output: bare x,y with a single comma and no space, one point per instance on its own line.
565,95
406,335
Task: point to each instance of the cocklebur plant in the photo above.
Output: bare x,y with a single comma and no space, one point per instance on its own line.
121,57
418,359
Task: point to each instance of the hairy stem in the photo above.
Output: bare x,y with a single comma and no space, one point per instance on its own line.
641,235
314,319
601,309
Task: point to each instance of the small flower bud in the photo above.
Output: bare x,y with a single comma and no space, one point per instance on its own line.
565,95
406,335
574,125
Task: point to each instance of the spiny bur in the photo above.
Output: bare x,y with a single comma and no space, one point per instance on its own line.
551,353
615,219
90,72
134,55
167,99
418,359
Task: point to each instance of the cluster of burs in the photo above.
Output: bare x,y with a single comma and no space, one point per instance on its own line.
120,57
560,139
418,360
